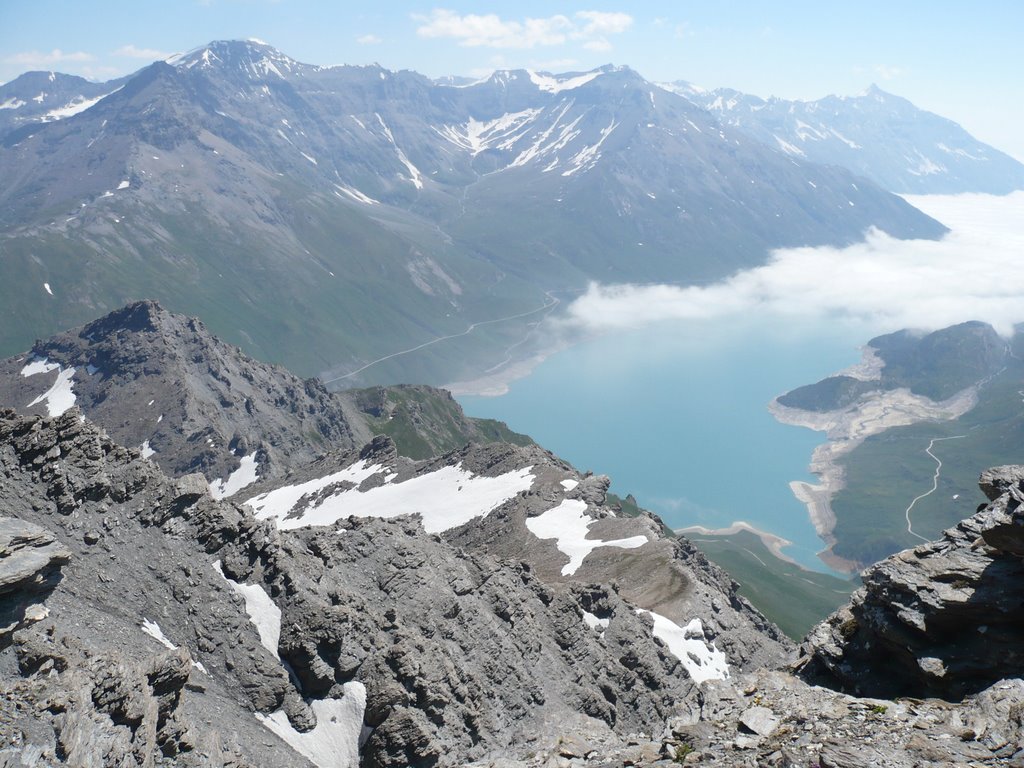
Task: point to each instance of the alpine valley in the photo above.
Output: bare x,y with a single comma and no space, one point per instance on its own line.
229,537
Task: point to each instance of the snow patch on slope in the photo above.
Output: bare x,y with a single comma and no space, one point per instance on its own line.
551,84
569,524
263,611
76,105
61,395
246,474
501,132
355,194
334,743
445,499
702,660
587,157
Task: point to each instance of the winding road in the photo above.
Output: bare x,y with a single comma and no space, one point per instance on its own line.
935,482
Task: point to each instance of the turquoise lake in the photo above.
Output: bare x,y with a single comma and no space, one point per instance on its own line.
677,415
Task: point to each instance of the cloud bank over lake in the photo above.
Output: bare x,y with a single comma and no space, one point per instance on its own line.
976,272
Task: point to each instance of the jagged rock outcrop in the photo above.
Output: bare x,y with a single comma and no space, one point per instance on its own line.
469,629
162,383
943,619
30,562
140,651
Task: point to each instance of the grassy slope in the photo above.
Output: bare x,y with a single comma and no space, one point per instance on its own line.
794,598
886,472
426,422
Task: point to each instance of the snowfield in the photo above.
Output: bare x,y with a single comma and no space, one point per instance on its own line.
445,499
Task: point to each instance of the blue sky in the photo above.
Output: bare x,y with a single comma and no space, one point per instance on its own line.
962,60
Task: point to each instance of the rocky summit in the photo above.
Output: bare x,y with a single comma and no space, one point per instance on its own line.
355,605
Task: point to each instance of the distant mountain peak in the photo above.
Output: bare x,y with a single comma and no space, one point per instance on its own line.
253,57
873,90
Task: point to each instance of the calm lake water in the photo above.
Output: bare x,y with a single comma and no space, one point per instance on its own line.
677,415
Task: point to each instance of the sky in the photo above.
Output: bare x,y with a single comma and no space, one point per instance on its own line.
879,285
961,60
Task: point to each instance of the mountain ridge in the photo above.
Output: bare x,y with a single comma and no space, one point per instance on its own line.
352,189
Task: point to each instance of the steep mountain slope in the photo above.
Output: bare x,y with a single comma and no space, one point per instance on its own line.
192,403
286,204
875,134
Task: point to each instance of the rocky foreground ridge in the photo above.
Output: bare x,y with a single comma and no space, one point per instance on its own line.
486,606
361,607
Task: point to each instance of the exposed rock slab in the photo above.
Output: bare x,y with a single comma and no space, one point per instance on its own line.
947,616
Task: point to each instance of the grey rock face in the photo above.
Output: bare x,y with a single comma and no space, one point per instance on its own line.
816,727
30,561
89,682
946,616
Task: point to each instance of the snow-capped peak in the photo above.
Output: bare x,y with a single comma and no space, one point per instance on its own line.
252,57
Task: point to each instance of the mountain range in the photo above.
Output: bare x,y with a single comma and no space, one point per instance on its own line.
328,217
875,134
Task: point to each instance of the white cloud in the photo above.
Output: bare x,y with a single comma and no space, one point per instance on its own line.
149,54
598,45
604,23
974,273
492,31
43,59
369,40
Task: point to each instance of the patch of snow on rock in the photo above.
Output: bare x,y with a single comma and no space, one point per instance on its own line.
553,85
39,365
569,524
124,184
595,623
60,396
334,743
569,484
152,629
246,474
263,611
78,104
703,661
445,499
146,450
46,287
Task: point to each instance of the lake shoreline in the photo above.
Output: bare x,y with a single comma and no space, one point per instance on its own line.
847,428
